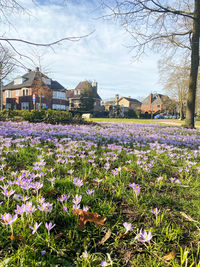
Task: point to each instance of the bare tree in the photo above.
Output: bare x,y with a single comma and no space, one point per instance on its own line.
7,63
40,86
162,25
9,8
175,80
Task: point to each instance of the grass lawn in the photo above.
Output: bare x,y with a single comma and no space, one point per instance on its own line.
119,194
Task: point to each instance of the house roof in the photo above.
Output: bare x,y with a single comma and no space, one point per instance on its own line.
80,86
130,100
156,99
29,78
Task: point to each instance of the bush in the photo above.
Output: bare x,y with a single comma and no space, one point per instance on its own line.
34,115
57,116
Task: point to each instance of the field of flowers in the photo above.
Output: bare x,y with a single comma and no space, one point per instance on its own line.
111,194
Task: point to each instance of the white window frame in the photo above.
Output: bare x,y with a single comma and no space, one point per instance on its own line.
25,105
7,94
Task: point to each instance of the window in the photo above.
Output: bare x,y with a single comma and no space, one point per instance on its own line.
8,94
25,92
25,105
19,80
158,106
8,106
59,95
60,107
17,93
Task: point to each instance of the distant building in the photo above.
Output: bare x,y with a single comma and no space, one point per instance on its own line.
74,96
154,103
21,93
127,103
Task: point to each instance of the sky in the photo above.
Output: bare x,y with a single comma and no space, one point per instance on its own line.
102,56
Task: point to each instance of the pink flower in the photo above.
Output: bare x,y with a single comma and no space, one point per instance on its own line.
155,211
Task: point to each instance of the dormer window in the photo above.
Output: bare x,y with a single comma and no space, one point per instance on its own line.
18,80
46,81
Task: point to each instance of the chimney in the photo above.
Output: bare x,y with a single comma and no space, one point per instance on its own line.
150,98
94,85
116,99
29,70
37,69
129,97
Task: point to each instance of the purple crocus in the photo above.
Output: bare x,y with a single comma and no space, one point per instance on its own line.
128,226
64,197
90,192
155,211
7,218
144,236
35,227
78,182
49,226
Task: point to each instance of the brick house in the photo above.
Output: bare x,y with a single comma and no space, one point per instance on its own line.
127,103
74,96
154,104
19,93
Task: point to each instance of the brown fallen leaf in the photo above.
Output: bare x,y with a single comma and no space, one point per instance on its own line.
58,235
188,217
86,216
128,169
50,193
17,237
170,256
105,238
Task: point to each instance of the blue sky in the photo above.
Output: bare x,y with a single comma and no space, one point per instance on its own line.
103,56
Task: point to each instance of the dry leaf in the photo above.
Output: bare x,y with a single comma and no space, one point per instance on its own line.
88,217
170,256
17,237
58,235
50,193
127,169
105,238
187,217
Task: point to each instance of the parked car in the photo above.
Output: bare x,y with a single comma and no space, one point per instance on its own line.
159,116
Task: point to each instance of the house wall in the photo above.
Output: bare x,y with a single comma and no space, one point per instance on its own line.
17,98
151,108
129,104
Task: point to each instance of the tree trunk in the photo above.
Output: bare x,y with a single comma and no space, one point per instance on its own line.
190,111
181,111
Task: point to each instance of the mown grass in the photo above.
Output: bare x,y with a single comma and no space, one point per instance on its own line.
168,177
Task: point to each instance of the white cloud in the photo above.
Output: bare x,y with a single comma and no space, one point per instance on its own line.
101,56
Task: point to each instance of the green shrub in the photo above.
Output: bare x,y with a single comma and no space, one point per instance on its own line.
34,115
57,116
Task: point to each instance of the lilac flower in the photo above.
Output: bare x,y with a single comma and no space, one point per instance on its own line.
49,226
37,186
8,219
98,180
160,178
77,199
8,193
90,191
144,236
43,252
65,209
86,208
20,209
107,166
35,227
46,207
114,172
104,263
41,200
155,211
64,197
78,182
136,188
128,226
85,254
70,172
